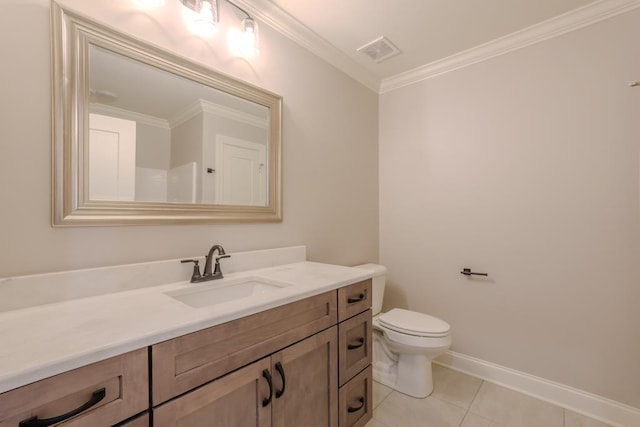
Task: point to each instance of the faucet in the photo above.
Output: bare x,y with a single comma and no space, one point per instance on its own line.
207,274
217,273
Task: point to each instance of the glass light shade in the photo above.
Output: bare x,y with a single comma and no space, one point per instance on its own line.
207,11
250,35
206,17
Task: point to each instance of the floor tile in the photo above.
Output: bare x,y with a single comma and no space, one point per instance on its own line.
375,423
514,409
473,420
380,392
454,387
401,410
572,419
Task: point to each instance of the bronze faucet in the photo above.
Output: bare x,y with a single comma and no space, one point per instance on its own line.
207,274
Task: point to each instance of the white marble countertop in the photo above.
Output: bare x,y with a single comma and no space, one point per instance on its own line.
41,341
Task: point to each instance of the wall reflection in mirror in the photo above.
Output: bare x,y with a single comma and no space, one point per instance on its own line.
158,137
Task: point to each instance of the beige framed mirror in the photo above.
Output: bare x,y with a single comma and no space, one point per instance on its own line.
142,136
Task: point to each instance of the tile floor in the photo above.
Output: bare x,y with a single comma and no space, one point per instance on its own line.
460,400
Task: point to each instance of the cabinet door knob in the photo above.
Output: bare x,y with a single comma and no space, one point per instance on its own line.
280,370
267,375
96,397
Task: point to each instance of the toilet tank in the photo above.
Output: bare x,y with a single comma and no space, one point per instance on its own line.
379,280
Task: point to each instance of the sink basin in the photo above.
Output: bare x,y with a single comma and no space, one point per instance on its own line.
218,293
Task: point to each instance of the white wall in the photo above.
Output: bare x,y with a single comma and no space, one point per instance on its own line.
330,131
525,166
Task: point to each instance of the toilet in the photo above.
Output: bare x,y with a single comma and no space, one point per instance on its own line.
404,343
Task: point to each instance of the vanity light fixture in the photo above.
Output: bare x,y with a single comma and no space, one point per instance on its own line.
206,15
243,42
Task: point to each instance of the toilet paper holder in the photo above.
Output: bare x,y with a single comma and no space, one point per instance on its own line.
468,272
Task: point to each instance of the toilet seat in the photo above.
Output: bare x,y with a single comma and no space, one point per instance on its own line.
413,323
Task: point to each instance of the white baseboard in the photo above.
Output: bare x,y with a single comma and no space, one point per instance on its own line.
591,405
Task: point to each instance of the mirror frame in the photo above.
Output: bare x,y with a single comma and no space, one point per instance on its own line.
72,35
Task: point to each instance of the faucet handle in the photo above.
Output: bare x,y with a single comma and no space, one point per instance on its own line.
195,276
217,272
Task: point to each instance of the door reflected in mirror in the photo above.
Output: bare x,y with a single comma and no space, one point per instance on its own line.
159,137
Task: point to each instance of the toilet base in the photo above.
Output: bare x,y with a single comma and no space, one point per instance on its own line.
411,375
414,375
408,373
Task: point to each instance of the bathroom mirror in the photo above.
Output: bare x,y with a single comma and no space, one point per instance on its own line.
142,136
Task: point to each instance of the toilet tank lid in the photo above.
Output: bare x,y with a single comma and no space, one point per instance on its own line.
414,322
378,270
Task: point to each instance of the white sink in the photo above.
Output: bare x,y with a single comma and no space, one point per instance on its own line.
205,295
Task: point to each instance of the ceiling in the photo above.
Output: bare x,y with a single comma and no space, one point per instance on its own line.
426,31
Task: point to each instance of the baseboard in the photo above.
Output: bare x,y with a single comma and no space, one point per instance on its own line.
591,405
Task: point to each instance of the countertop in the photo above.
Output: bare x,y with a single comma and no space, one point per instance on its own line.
42,341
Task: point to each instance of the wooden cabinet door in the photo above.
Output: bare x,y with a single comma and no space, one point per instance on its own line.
240,399
305,382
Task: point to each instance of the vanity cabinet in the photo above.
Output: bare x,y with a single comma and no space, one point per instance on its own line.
305,363
101,394
293,387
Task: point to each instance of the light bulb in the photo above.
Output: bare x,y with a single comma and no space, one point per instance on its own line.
245,42
206,17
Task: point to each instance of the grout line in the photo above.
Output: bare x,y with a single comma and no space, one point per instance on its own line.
471,403
385,398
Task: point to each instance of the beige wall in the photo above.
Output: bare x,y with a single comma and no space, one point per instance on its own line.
525,166
330,131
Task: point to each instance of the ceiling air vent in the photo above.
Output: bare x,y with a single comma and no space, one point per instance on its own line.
379,49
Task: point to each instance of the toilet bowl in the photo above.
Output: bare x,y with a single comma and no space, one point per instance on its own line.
404,343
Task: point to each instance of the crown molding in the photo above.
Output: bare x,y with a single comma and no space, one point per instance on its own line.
273,16
276,18
561,24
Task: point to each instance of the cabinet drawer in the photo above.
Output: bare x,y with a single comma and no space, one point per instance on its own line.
356,402
195,359
354,344
354,299
111,390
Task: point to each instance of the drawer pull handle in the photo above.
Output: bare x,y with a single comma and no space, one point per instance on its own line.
360,297
280,370
267,375
96,397
354,346
351,409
